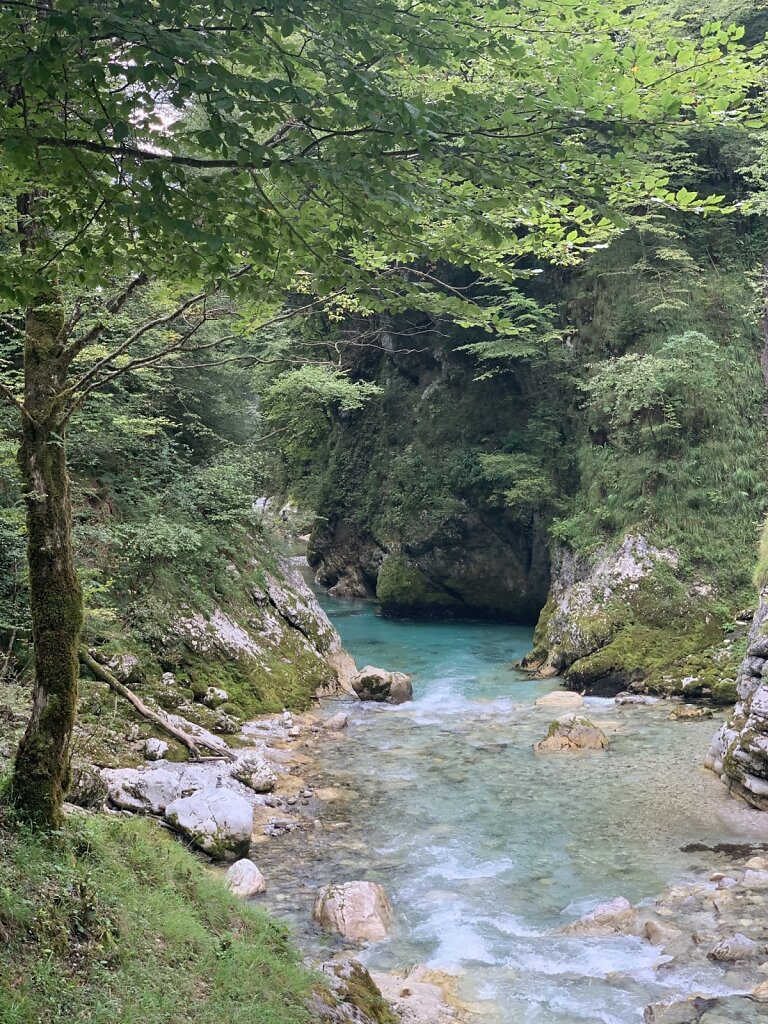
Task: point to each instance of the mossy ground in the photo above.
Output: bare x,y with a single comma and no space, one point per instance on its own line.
113,922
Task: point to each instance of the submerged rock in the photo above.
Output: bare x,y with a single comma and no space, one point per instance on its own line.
560,698
377,684
687,711
617,917
244,879
573,732
217,821
359,911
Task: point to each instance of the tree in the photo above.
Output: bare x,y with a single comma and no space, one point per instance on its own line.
329,148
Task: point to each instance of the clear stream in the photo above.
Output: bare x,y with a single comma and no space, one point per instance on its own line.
487,848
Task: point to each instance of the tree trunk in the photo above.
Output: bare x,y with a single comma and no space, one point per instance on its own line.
42,768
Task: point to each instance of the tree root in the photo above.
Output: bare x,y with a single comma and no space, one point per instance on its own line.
192,743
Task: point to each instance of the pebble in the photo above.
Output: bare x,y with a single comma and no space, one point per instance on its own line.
292,800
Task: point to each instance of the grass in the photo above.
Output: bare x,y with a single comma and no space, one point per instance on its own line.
115,923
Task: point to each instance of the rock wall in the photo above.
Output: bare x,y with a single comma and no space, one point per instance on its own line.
268,646
631,618
406,511
739,752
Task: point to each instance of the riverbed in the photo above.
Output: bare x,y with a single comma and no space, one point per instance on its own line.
487,848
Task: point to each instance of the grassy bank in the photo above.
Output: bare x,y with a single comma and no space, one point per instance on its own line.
116,923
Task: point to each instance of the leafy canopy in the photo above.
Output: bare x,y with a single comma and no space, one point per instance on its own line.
307,144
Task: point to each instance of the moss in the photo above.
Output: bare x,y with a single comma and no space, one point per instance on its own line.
363,993
402,588
724,692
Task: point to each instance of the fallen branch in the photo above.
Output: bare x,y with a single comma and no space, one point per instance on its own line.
190,742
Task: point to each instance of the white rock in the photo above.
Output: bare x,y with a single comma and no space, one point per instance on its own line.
359,911
216,820
254,772
734,947
149,790
155,749
336,722
215,696
244,879
617,917
560,698
755,879
377,684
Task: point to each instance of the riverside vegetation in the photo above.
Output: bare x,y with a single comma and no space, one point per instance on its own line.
479,287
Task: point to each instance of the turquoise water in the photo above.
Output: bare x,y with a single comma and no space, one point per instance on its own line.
487,848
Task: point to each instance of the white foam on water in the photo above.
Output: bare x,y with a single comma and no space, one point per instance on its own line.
586,958
448,866
458,940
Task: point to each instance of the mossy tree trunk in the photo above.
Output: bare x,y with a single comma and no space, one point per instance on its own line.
41,771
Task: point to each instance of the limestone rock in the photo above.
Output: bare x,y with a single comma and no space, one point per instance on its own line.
355,996
734,947
573,732
377,684
760,992
617,917
125,667
634,698
660,934
87,788
359,911
686,711
244,879
560,698
336,722
739,751
147,791
215,697
755,879
218,821
254,772
155,749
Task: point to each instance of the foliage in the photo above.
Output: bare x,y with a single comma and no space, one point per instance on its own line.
80,914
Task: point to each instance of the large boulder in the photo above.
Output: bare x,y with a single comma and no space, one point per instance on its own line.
218,821
377,684
359,911
617,917
573,732
147,791
244,879
255,773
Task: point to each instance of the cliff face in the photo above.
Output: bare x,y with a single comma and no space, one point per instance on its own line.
739,752
407,512
612,481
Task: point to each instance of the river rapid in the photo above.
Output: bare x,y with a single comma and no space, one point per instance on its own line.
487,848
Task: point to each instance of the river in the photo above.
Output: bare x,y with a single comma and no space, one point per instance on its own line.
487,848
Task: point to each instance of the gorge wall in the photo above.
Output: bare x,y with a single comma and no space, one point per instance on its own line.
611,482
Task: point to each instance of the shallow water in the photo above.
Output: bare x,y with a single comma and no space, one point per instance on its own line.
487,848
